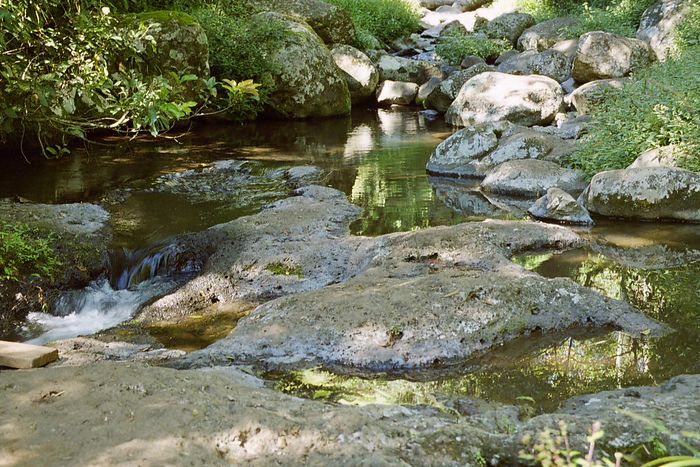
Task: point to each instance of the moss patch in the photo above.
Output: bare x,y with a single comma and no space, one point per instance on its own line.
281,269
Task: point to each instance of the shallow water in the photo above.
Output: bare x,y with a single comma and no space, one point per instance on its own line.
378,159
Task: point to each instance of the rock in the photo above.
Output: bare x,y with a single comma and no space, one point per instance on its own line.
568,47
302,175
428,298
307,81
604,55
532,178
433,4
359,72
560,206
568,126
550,63
490,97
544,35
452,28
396,93
426,88
664,156
182,45
470,5
446,92
290,246
585,97
404,69
648,193
471,60
507,55
331,23
466,199
569,86
507,26
456,155
658,24
524,143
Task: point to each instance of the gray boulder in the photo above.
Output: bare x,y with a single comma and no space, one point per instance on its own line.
359,71
658,24
405,69
568,47
396,93
307,81
648,193
492,97
446,92
426,89
524,143
550,63
559,206
604,55
664,156
507,26
585,97
456,156
544,35
532,178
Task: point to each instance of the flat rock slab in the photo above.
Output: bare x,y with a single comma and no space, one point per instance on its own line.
18,355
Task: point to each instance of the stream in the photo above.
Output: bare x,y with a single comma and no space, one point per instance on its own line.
377,158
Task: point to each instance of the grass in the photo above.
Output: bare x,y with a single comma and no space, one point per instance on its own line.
378,21
454,46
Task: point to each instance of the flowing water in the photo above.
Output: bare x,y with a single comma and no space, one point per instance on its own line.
378,159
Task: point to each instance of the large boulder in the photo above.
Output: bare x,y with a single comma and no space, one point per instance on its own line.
649,193
507,26
492,97
665,156
331,23
456,156
584,98
405,69
544,35
532,178
658,24
604,55
559,206
442,96
359,71
550,63
307,81
396,93
524,143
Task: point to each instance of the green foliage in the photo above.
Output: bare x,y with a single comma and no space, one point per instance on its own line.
618,16
383,20
454,46
25,252
688,32
657,108
282,269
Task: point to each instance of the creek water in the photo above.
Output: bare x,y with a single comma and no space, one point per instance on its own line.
378,159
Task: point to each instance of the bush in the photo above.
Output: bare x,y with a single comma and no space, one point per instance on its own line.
658,107
24,252
617,16
454,46
383,20
688,32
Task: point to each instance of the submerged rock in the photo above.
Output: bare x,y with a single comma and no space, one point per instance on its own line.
560,206
532,178
649,193
493,97
466,199
426,298
604,55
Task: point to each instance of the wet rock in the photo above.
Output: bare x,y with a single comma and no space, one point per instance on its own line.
307,81
426,88
359,71
302,175
331,23
507,26
289,247
648,257
467,200
396,93
532,178
649,193
491,97
559,206
406,70
658,24
603,55
664,156
456,155
427,298
584,98
544,35
443,95
550,63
